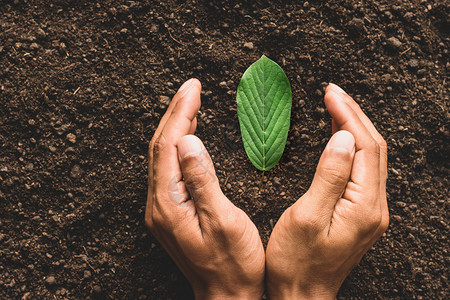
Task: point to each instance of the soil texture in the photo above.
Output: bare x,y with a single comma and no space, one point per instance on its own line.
83,85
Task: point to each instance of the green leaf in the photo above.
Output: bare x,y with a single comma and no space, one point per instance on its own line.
264,101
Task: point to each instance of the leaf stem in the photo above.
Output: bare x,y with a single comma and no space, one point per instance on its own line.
261,182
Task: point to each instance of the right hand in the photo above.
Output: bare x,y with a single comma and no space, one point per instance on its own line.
213,242
323,236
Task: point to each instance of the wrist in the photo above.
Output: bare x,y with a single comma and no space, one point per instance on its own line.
277,292
245,294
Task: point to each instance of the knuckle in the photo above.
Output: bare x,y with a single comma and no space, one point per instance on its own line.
305,222
334,175
376,219
382,142
374,147
222,226
198,167
201,173
229,222
158,144
372,221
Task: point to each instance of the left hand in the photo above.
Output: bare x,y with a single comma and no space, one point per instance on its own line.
213,242
323,236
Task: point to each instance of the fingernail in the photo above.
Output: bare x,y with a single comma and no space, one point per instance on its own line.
186,85
343,140
337,95
337,88
189,145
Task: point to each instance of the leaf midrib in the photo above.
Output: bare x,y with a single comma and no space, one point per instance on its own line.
264,100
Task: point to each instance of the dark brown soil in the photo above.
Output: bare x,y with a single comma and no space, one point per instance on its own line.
83,85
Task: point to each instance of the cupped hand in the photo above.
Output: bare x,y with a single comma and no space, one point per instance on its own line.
213,242
323,236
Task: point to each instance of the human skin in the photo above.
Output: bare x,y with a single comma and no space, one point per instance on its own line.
213,242
323,236
315,243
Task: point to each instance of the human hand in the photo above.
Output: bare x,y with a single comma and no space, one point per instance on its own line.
323,236
213,242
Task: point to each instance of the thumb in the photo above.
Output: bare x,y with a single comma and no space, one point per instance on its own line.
333,172
199,174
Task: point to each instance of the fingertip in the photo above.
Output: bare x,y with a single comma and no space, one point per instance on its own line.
190,87
335,88
333,101
189,145
332,95
196,82
343,140
189,83
198,85
187,100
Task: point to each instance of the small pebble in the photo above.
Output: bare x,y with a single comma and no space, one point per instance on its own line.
394,43
50,281
41,33
164,99
71,138
248,46
97,290
397,218
223,84
76,172
413,63
400,204
34,46
356,25
197,31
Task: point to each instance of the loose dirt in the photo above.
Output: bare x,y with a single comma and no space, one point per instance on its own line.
83,85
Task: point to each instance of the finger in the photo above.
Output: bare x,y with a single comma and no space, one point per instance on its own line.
181,92
200,178
166,168
365,175
331,176
193,126
383,150
334,127
357,109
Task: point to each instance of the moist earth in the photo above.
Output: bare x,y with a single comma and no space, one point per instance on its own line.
83,85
